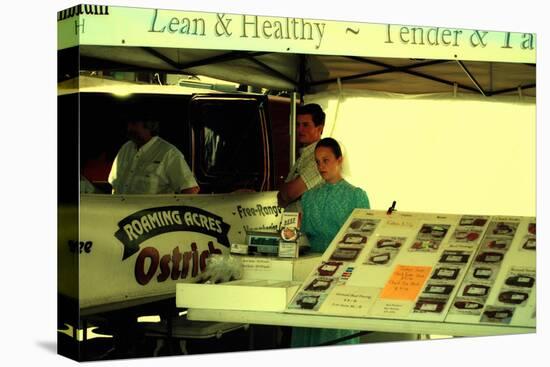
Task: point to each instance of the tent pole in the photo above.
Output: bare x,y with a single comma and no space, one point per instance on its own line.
410,72
302,78
392,69
472,78
292,131
490,77
523,87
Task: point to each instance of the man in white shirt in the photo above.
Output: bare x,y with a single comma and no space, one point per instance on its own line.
303,176
148,164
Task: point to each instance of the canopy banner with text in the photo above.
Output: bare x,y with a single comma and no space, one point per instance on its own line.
142,27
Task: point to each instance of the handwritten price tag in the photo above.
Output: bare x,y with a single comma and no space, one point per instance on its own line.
406,282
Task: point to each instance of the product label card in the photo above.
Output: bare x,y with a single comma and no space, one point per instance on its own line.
288,249
406,282
467,306
307,301
237,248
498,315
392,308
290,220
350,301
256,264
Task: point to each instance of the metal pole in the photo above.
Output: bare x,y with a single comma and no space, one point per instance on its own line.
292,131
476,83
491,77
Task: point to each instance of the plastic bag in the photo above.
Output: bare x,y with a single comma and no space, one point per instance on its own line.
221,268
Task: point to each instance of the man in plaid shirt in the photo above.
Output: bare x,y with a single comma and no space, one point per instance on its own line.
303,176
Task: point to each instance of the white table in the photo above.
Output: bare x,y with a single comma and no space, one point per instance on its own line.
371,324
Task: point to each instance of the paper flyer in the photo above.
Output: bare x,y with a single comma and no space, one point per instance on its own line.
405,282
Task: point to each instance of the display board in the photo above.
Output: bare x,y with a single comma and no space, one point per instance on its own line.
426,267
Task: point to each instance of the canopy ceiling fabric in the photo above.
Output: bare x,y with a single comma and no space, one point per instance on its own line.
316,73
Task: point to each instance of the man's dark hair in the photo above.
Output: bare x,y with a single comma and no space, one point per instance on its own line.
332,144
153,126
313,109
149,119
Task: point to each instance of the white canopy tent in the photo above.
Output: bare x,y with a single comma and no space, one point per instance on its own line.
437,119
316,73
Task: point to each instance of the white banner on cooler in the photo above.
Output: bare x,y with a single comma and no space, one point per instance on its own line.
140,246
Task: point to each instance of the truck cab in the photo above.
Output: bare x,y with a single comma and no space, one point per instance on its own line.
231,141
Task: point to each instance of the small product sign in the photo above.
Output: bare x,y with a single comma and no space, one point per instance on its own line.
350,301
258,264
406,282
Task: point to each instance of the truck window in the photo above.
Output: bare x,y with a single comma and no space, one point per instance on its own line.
231,145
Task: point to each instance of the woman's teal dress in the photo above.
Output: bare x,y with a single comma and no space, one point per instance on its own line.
325,209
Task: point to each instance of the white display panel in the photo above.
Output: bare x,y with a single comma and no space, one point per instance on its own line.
426,267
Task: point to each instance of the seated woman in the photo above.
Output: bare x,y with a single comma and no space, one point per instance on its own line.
325,209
